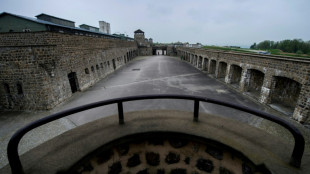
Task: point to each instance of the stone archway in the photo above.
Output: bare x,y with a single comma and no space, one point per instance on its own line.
254,82
222,70
212,67
205,64
236,72
284,94
200,59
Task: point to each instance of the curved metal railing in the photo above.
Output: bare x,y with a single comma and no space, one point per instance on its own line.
17,168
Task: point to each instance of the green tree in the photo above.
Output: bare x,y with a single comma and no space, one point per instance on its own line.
290,46
253,46
299,52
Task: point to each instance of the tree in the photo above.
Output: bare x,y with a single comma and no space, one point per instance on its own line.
290,46
265,45
253,46
299,52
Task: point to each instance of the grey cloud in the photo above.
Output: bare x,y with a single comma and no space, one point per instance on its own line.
207,21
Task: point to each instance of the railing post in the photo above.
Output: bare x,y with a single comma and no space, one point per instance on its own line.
120,112
196,110
13,157
298,149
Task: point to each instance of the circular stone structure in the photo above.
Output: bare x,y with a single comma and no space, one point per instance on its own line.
165,152
163,141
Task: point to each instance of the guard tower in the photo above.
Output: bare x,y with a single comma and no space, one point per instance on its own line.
139,37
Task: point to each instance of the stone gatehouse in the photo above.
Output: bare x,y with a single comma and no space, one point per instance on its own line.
280,82
39,70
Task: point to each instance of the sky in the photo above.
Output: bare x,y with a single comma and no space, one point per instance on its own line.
210,22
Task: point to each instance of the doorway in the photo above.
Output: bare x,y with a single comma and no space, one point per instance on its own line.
73,82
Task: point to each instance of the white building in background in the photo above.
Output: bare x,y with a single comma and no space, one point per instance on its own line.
198,45
104,27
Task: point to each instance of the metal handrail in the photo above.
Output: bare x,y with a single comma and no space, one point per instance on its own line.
17,168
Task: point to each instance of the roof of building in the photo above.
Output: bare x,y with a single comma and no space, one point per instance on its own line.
28,18
43,14
39,21
139,31
88,26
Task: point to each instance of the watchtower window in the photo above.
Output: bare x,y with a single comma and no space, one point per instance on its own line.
19,88
7,88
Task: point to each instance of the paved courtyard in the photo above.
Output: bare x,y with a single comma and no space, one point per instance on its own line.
144,75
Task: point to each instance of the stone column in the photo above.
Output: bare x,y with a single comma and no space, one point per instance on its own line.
268,85
302,109
209,65
245,79
203,63
229,72
217,68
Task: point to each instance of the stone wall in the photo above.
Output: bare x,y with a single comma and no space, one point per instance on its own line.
34,67
281,82
145,51
171,51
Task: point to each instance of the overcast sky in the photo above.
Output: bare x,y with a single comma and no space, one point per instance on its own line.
211,22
